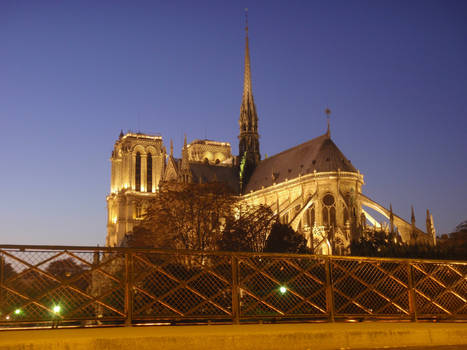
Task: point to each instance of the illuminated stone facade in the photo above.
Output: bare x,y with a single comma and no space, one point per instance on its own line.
138,163
208,151
312,186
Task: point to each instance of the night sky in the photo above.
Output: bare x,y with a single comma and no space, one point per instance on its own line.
74,73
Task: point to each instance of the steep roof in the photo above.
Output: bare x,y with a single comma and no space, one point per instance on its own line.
202,172
320,154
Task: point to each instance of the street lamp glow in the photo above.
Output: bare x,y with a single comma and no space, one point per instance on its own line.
282,289
56,309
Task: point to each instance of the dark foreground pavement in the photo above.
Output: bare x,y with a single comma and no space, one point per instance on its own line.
312,336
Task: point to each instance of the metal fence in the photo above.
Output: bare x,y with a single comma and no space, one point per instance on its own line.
42,285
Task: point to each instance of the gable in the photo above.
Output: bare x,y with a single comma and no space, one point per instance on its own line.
171,170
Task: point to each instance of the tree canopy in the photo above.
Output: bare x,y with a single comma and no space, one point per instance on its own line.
377,244
283,239
185,216
247,229
202,217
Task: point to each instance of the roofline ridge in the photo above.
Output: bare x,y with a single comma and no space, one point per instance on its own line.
294,147
339,150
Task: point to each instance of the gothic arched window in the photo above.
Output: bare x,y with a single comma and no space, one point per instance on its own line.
138,172
311,216
329,210
138,210
149,173
325,216
346,215
332,216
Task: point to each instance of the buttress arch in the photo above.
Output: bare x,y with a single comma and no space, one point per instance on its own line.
405,228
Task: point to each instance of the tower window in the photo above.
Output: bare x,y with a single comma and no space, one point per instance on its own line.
138,172
149,173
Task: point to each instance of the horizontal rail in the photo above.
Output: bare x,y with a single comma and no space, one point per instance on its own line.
39,247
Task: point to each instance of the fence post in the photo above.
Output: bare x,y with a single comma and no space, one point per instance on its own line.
2,268
411,292
128,288
329,293
235,292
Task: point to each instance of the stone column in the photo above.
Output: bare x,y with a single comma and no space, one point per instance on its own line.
132,181
144,163
112,175
155,164
121,219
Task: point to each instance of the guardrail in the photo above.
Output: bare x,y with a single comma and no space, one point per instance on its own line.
43,285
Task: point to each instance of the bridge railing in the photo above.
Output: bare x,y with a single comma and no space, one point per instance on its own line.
43,285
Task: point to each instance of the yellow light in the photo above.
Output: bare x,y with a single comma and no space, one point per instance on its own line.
283,290
114,219
17,311
56,309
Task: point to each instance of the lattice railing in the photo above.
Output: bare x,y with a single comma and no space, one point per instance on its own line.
81,285
54,285
175,286
440,289
282,286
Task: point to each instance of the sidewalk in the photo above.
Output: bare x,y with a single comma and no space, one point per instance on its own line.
302,336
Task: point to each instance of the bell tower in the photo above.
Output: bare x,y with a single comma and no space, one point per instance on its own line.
138,162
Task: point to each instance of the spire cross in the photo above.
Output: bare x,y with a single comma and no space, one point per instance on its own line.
328,113
246,20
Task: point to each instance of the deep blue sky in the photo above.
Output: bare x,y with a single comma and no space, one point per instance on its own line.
73,73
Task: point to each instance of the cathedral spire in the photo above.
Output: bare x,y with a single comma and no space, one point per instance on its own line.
430,226
185,163
413,238
248,121
247,90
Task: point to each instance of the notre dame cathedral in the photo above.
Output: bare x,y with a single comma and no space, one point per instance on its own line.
312,186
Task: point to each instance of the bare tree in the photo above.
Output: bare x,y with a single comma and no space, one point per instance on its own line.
202,217
186,216
248,229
